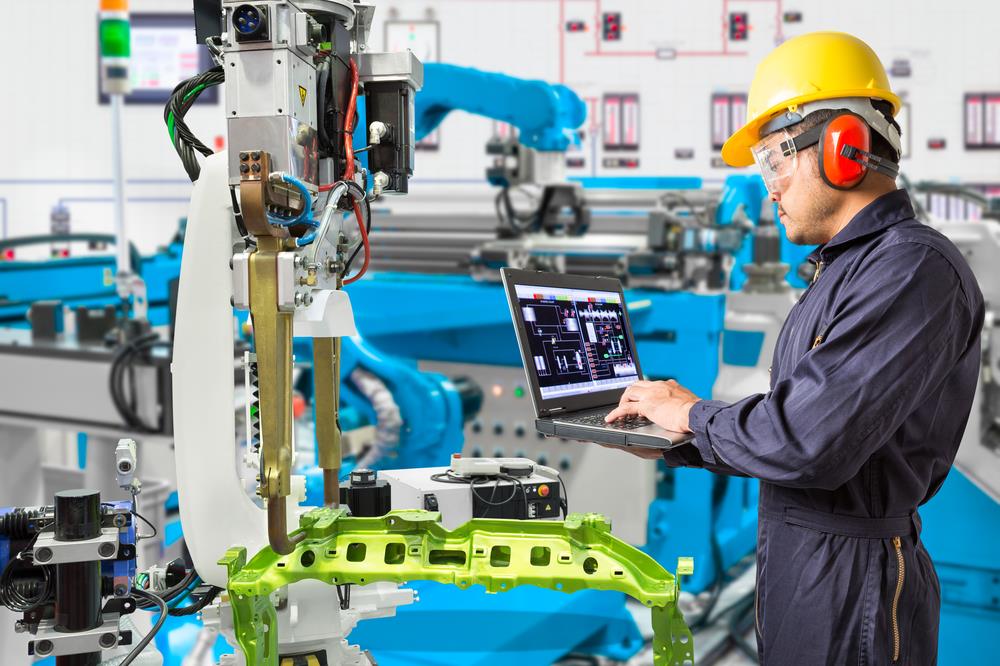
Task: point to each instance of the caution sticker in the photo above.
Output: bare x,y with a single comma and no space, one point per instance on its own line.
302,95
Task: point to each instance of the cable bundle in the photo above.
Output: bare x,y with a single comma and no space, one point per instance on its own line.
123,361
181,100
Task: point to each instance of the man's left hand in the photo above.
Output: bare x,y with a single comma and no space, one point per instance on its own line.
667,404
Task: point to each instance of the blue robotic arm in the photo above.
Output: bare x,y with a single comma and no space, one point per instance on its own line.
545,114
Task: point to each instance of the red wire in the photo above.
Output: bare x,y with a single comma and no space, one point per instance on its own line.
364,239
352,108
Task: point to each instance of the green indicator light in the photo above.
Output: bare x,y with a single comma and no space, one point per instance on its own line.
519,392
115,40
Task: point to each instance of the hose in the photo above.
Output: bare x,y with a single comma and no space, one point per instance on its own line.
388,418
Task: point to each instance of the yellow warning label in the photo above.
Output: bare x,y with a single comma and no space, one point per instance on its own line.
302,95
108,277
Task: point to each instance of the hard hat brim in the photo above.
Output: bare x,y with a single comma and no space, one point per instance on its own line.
736,151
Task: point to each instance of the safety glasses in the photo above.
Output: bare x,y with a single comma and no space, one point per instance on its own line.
777,159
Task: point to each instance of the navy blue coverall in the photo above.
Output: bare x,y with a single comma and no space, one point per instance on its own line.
872,382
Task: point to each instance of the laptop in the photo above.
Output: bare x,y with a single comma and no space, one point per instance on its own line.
579,357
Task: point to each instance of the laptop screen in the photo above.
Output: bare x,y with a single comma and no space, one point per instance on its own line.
577,338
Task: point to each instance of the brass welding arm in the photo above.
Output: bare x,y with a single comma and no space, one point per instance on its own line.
326,379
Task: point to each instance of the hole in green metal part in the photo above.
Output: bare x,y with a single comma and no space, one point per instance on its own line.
617,573
479,551
541,556
331,553
500,556
565,558
559,586
503,586
683,638
452,557
414,550
395,553
590,566
307,558
356,552
281,565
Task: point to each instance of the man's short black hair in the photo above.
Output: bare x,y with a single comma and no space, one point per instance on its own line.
880,147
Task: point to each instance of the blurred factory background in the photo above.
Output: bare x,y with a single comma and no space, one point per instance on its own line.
664,84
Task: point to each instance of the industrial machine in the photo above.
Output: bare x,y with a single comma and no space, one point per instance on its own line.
66,571
294,72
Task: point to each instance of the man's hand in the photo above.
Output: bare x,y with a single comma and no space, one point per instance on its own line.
667,404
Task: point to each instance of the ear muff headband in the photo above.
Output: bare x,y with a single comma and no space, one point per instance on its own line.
844,151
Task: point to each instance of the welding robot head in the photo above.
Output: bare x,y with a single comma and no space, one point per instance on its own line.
820,128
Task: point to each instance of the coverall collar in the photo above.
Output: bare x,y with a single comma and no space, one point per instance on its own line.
877,216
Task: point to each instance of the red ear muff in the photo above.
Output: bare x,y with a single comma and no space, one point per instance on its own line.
844,133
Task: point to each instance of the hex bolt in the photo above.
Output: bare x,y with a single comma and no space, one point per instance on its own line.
121,590
107,640
119,520
106,549
43,647
43,554
308,300
298,298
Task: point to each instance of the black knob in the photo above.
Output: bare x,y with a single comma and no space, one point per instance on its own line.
363,477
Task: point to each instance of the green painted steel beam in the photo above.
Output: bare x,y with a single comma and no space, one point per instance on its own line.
579,553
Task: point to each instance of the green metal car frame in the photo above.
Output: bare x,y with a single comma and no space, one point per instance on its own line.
576,554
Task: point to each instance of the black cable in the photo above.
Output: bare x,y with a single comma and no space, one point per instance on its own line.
344,595
148,638
564,500
24,595
172,592
449,476
122,361
151,525
368,230
519,222
182,98
203,600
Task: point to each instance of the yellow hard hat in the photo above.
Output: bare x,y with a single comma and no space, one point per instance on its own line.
808,68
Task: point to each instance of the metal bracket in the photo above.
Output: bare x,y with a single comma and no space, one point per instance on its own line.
579,553
241,281
49,642
47,550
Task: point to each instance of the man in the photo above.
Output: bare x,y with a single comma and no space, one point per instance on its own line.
872,379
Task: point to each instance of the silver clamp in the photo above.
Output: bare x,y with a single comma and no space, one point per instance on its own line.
47,550
49,642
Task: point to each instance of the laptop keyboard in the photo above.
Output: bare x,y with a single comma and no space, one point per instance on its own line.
631,422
